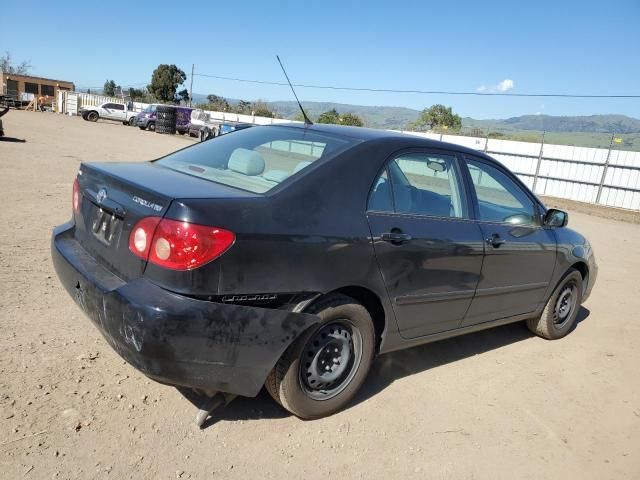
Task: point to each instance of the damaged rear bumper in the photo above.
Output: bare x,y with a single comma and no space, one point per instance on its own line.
172,338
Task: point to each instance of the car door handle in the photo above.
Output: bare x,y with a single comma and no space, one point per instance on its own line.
495,241
396,238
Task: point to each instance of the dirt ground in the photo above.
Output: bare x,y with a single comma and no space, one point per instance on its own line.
495,404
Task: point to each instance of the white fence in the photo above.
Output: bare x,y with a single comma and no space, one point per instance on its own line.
593,175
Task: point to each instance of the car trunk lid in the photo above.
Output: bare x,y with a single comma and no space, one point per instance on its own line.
115,196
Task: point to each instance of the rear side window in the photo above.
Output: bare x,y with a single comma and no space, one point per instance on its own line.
500,199
420,184
257,158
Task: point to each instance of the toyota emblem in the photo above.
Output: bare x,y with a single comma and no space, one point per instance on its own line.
102,195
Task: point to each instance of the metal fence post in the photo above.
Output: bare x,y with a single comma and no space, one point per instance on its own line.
604,170
486,142
535,177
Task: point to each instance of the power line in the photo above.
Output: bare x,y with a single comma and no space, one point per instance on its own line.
422,92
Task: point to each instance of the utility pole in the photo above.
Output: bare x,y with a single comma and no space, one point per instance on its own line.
535,177
604,169
193,66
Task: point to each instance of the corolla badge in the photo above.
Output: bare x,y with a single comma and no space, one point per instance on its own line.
102,195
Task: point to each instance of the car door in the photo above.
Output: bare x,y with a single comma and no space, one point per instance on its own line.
520,254
110,112
118,112
428,249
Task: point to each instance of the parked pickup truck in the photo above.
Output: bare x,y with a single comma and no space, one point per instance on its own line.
109,111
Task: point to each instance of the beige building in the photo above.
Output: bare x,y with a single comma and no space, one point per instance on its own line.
19,87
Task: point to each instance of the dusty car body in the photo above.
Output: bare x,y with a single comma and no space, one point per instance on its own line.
409,240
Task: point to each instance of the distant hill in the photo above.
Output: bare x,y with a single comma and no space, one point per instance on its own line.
587,124
592,130
374,117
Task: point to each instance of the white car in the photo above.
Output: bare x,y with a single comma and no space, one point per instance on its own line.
109,111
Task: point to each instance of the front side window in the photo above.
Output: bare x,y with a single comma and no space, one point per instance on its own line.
257,158
422,184
500,199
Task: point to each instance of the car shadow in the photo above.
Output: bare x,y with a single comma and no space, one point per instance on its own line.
12,139
403,363
385,370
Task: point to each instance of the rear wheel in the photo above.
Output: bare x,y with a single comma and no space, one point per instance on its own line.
132,121
560,313
324,368
93,116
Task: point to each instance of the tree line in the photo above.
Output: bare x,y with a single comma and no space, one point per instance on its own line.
167,79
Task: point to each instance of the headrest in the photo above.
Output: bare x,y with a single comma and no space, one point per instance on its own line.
300,166
276,175
248,162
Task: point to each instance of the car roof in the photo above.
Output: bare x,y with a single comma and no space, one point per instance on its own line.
370,134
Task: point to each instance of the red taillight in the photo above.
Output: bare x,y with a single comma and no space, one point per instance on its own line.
76,197
142,235
178,245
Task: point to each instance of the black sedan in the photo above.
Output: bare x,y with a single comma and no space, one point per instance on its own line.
290,256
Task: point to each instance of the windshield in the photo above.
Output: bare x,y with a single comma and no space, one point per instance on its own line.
150,109
257,158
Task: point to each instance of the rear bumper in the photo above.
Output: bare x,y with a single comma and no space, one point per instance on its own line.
172,338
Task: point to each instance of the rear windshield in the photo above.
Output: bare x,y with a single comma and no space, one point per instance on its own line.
257,158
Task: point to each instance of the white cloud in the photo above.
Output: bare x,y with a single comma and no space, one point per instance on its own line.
503,86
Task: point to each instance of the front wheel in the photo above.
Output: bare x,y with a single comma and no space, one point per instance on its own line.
93,116
151,126
324,368
560,312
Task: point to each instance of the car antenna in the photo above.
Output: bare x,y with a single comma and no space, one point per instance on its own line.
304,114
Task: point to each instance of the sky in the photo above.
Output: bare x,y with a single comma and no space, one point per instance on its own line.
577,47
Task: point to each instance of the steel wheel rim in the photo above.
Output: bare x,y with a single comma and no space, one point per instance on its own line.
565,305
330,359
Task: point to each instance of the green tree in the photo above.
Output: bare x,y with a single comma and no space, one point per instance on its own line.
7,65
165,81
218,104
183,96
330,116
243,107
109,88
351,119
260,108
438,117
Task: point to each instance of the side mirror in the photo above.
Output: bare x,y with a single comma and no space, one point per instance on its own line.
556,218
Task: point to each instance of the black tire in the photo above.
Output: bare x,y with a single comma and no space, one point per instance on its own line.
559,315
132,121
92,116
151,126
142,128
346,328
